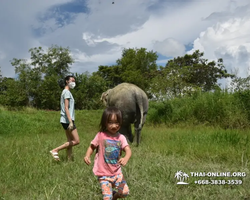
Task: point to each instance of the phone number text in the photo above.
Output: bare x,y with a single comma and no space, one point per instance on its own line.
218,182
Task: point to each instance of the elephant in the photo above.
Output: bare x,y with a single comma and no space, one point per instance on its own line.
133,103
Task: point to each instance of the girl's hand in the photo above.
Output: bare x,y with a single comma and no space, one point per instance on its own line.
88,154
123,161
87,160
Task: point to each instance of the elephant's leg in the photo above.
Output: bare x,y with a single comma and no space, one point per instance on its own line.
127,132
130,135
138,124
138,136
137,132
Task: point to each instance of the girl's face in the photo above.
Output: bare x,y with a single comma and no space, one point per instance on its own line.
71,83
113,125
71,79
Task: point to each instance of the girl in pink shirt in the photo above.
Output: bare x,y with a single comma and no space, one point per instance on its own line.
108,161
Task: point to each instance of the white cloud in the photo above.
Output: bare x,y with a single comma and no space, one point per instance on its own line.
228,39
156,28
16,37
219,28
162,62
87,37
2,55
170,48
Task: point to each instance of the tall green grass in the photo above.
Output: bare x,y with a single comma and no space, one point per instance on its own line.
27,170
218,108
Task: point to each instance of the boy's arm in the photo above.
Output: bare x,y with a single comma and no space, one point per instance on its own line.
88,154
123,161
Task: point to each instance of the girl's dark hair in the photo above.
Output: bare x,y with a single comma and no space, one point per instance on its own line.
67,79
107,114
62,82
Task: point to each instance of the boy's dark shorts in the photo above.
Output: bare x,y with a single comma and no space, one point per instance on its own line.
65,126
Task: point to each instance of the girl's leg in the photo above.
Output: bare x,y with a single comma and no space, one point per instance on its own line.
69,148
122,187
106,187
73,139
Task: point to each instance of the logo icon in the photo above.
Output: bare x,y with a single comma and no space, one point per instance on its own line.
181,176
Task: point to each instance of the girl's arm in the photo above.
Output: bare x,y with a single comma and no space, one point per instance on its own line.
88,154
123,161
66,107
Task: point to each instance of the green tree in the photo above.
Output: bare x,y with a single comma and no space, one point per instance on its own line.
111,74
23,69
11,93
135,66
1,76
49,93
239,84
184,75
56,61
88,90
38,79
240,87
168,84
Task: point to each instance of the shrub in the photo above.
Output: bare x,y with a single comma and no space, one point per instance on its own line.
218,108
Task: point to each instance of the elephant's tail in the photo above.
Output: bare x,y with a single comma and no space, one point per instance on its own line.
139,102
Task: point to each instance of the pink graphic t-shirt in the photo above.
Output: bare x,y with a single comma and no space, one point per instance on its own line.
108,155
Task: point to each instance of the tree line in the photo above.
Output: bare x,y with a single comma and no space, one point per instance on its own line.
38,80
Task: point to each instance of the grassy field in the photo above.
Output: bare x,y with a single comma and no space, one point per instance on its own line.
27,171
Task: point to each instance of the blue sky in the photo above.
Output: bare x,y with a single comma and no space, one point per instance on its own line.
96,31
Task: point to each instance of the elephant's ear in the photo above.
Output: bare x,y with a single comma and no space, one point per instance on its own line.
104,98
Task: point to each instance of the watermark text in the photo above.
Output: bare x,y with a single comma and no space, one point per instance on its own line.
218,174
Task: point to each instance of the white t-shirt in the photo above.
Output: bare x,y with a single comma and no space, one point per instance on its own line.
66,94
